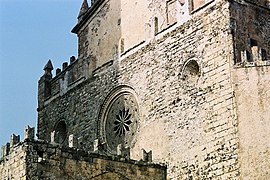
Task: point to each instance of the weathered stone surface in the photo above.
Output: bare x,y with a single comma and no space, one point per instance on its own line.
37,160
14,139
29,133
184,76
185,80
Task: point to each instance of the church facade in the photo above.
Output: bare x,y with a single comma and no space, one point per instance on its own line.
175,89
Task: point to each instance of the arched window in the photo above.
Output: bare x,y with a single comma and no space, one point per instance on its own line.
60,132
156,25
191,71
119,119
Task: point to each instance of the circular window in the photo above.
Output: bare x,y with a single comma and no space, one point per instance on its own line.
119,121
191,71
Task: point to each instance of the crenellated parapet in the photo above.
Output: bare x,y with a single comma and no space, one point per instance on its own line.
29,135
70,75
39,159
250,28
42,160
73,142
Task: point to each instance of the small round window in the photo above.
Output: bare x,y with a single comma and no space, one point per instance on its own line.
191,71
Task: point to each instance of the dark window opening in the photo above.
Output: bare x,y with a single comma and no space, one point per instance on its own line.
60,132
263,54
249,56
191,71
156,25
253,42
40,154
238,57
122,45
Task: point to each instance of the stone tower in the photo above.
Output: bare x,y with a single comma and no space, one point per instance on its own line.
185,80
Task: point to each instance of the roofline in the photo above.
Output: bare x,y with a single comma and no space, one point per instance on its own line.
86,16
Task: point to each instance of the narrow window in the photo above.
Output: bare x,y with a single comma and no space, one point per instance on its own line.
246,56
249,56
254,51
263,55
253,42
122,45
238,56
156,25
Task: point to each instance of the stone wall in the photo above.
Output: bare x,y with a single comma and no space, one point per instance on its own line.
251,83
188,117
181,95
99,36
252,98
40,160
12,165
154,16
250,24
182,83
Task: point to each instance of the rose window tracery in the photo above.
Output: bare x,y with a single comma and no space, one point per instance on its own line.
120,119
122,122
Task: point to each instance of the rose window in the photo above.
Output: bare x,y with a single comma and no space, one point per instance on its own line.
122,122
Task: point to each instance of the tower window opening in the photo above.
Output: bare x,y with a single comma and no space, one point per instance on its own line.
253,42
156,25
263,55
249,56
61,132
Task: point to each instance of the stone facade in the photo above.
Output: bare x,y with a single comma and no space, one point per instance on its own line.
250,79
185,80
182,82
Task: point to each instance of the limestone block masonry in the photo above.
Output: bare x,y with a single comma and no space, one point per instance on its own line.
185,88
37,160
183,83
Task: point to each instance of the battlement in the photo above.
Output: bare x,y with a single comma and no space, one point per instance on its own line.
29,134
123,153
69,76
250,29
31,158
65,77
